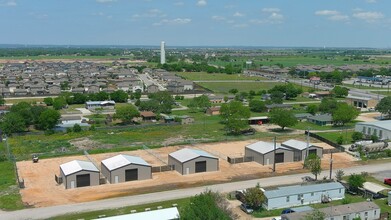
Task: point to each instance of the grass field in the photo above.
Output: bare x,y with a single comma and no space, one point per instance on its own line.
333,136
197,76
28,100
62,57
224,87
10,198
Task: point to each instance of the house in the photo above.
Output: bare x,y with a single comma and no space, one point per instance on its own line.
93,89
259,120
381,129
361,102
123,168
213,110
298,195
302,116
324,119
189,161
359,210
266,152
302,149
315,80
161,214
282,106
78,90
92,105
148,115
185,119
20,92
79,173
322,94
72,120
54,89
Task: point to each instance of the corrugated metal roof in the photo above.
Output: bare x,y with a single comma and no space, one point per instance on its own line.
264,147
373,187
162,214
381,124
301,189
121,160
187,154
300,145
76,166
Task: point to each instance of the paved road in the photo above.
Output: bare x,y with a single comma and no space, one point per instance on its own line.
47,212
237,81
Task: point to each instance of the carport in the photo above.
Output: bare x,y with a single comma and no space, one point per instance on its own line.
373,188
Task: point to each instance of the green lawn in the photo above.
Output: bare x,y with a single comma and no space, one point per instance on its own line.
386,93
124,210
224,87
197,76
10,198
28,100
333,136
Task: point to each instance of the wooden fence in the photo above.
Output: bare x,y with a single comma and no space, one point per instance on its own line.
235,160
335,145
163,168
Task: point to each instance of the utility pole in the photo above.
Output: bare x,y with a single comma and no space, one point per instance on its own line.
331,164
274,155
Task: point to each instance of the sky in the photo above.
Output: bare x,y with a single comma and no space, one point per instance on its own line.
269,23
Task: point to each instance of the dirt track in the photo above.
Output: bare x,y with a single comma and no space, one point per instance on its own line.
42,190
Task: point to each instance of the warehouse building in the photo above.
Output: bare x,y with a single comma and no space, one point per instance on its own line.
381,129
123,168
188,161
79,173
263,152
301,149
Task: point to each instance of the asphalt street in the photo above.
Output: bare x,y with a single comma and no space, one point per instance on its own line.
48,212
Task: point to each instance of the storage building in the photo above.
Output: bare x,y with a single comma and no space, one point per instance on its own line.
381,129
301,149
188,161
263,152
79,173
123,168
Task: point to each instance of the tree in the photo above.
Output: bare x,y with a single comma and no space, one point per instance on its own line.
312,109
102,96
2,100
283,118
150,105
276,97
119,96
316,214
48,119
355,181
289,90
356,136
339,174
24,110
126,113
257,106
48,101
313,163
59,103
328,105
12,123
79,98
235,116
76,128
165,101
344,113
384,106
254,197
201,103
340,92
233,91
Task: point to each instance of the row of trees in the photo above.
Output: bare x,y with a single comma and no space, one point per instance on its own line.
200,67
334,77
160,102
23,115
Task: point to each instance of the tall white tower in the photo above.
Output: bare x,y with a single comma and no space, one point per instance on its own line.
162,53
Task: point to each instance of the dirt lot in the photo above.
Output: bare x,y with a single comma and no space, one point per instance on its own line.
368,117
42,190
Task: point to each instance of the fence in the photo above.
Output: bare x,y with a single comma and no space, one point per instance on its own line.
335,145
163,168
329,151
234,160
11,157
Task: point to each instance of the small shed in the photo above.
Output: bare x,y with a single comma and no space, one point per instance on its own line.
263,153
300,149
123,168
188,161
213,110
148,116
79,173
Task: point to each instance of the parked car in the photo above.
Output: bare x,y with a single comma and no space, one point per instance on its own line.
387,181
246,208
239,195
307,179
287,211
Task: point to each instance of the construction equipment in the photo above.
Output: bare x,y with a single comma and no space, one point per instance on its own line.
375,147
35,158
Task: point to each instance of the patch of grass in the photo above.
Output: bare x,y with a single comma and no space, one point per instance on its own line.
333,136
203,76
125,210
224,87
304,125
28,100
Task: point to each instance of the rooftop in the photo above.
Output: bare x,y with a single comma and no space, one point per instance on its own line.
300,145
163,214
76,166
121,160
301,189
187,154
263,147
386,124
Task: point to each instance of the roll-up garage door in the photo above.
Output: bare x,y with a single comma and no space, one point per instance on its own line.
200,166
83,180
131,175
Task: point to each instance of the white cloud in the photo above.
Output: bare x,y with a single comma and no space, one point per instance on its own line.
326,12
270,10
201,3
276,18
105,1
218,18
368,16
238,14
179,3
10,3
176,21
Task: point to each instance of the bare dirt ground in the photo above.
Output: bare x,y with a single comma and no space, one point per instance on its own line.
42,190
368,117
